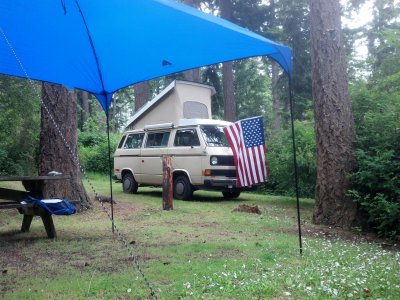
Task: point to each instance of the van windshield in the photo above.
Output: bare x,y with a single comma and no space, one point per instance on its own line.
214,136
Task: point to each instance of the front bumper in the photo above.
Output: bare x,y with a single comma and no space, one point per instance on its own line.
227,183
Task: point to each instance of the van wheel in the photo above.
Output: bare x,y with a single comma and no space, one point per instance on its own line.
183,190
231,194
129,184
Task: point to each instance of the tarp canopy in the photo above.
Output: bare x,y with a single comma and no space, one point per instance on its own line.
102,46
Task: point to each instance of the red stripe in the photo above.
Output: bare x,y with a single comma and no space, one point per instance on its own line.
253,171
257,164
233,141
263,161
260,164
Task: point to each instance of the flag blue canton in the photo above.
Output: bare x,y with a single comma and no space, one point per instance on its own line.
253,132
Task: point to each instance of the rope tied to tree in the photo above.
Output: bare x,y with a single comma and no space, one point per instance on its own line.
75,159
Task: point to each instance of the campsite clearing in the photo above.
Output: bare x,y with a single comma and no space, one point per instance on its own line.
201,249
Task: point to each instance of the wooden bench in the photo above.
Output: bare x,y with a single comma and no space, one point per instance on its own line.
34,186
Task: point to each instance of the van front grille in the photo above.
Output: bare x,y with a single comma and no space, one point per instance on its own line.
224,160
226,173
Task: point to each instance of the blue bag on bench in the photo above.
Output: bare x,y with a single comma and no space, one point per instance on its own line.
54,206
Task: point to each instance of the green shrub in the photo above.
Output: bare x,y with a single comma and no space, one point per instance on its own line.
91,138
377,189
20,127
93,150
281,179
377,181
8,166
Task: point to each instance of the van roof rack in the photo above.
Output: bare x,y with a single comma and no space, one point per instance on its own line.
159,126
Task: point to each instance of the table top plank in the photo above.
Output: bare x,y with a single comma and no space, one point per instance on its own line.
14,195
12,205
33,178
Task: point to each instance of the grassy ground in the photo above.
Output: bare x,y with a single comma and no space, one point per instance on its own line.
200,250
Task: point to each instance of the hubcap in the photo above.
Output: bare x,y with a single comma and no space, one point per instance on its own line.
180,187
127,184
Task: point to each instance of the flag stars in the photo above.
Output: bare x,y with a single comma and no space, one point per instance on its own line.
253,132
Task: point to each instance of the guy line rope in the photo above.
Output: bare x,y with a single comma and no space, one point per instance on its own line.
75,160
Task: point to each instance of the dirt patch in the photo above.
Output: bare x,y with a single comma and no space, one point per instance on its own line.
332,233
247,209
122,208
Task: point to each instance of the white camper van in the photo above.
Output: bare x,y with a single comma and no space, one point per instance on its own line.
201,157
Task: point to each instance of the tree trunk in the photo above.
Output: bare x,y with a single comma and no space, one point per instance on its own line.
113,115
142,94
227,71
229,92
276,103
167,193
85,106
54,155
193,74
334,123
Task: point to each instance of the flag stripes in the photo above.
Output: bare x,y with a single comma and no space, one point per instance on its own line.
246,138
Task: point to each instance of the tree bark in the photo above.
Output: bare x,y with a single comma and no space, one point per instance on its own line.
334,123
276,103
227,70
54,155
85,106
192,74
167,192
142,94
112,115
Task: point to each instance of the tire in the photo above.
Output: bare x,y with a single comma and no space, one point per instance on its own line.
129,184
183,190
231,194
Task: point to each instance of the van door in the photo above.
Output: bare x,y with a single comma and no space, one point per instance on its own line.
130,154
187,153
151,156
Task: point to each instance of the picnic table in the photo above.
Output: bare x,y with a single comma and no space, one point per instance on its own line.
34,187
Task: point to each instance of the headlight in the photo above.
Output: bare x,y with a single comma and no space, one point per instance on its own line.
214,160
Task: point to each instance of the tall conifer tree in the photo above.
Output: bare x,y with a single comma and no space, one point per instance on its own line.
334,124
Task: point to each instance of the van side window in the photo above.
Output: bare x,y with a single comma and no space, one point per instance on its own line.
121,142
157,139
186,137
134,141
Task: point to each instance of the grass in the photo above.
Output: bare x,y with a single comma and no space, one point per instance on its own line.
200,250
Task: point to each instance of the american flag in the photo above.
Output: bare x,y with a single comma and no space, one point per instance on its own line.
246,138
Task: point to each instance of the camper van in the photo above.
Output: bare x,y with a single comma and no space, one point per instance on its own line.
201,157
177,123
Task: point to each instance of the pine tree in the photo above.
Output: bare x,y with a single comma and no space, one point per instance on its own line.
334,124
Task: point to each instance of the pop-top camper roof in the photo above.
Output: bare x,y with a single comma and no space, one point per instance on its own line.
179,100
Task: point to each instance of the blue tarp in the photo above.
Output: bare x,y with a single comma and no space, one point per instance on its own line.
54,206
104,45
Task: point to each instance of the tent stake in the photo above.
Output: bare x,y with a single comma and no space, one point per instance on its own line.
295,164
